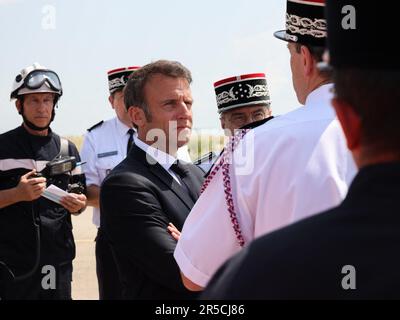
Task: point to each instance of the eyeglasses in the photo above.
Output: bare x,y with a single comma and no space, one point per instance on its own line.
241,119
37,78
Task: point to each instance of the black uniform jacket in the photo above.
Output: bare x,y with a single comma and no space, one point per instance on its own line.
137,201
20,152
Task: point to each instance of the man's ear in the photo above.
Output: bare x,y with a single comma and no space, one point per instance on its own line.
18,105
222,120
111,99
307,61
137,116
350,122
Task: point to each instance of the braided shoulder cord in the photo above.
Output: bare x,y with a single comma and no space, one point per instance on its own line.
224,163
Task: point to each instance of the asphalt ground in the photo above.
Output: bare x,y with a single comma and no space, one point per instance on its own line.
84,284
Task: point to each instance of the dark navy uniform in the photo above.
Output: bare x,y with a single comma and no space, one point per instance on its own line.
20,152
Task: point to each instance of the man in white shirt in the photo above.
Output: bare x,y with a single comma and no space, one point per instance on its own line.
105,145
290,168
350,251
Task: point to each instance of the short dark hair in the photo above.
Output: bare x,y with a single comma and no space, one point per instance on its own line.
317,53
374,95
134,90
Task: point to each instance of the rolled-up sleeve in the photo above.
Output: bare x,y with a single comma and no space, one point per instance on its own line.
207,239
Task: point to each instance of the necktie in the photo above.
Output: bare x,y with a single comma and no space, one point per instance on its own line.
184,176
130,140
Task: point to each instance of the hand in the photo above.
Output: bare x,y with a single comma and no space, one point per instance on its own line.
176,234
29,188
74,203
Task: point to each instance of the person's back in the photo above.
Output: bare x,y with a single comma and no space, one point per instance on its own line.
309,157
348,252
288,169
345,253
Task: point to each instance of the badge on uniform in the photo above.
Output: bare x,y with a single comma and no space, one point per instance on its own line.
107,154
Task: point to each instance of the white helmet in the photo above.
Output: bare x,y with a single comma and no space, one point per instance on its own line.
36,79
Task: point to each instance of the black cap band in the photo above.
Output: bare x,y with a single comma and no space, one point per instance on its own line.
305,23
242,91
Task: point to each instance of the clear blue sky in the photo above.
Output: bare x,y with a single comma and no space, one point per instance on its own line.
83,39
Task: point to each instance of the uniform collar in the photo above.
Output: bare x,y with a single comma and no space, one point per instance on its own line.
164,159
378,179
322,93
122,128
38,137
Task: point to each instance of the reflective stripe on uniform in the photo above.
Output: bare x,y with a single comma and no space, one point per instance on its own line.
29,164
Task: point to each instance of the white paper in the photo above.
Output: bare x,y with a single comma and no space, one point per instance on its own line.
54,193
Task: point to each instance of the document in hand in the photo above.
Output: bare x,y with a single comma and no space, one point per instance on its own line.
54,193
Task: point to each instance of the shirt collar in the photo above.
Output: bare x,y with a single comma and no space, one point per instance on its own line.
324,92
122,128
164,159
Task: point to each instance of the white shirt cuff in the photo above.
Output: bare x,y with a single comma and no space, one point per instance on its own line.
190,272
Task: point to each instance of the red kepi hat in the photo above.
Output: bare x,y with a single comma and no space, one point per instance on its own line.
118,78
242,91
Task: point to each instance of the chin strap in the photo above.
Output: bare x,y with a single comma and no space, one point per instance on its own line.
33,126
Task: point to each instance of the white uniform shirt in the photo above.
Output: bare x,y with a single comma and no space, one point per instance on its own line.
296,165
104,148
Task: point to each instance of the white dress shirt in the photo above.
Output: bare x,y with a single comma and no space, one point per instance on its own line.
164,159
290,168
104,148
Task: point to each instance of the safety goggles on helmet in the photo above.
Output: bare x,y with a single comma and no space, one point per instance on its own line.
37,80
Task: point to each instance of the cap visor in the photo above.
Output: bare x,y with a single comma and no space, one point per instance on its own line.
29,91
281,35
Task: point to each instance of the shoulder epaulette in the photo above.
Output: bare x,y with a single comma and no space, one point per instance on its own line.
96,125
256,124
205,158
